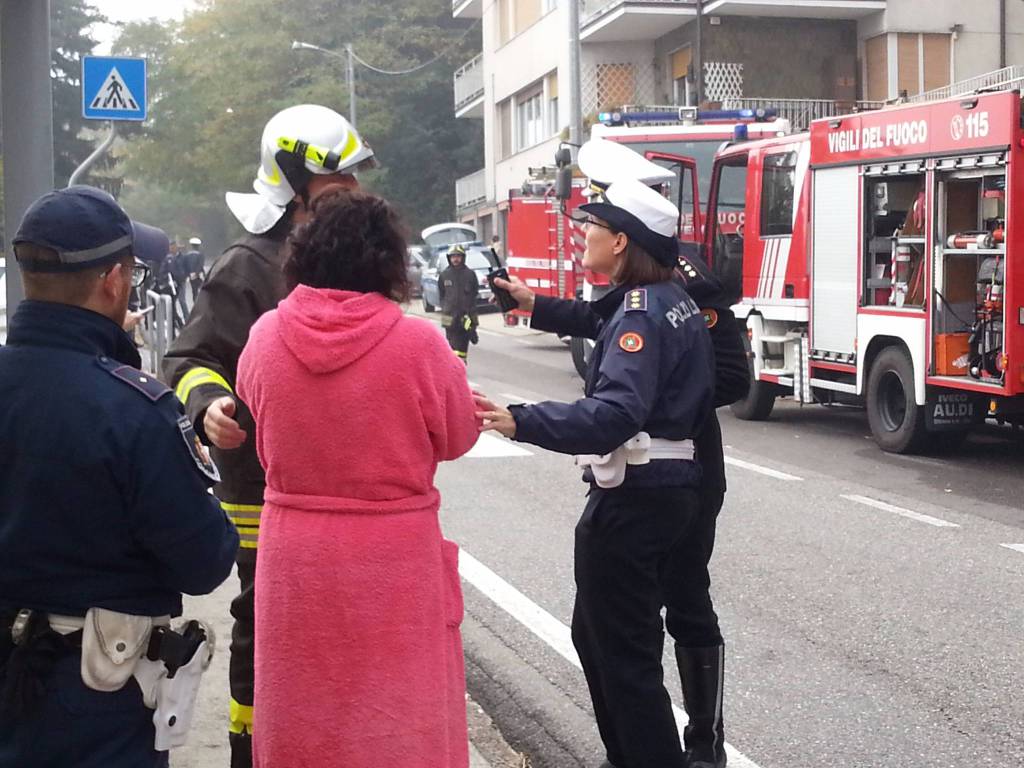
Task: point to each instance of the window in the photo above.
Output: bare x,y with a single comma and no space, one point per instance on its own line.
548,5
908,63
727,221
529,120
777,181
680,62
551,89
504,119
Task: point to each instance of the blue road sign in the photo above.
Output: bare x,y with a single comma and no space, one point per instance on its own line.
113,88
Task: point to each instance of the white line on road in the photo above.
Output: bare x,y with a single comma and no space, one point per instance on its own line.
549,629
910,514
761,470
492,447
512,397
1014,547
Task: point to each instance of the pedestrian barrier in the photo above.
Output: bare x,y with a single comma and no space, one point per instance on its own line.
159,329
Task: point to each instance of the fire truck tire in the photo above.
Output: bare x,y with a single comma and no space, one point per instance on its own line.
897,421
760,399
581,349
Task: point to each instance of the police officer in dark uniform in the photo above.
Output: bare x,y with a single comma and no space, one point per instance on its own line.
104,503
691,620
649,390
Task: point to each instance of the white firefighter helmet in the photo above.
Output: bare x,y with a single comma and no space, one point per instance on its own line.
195,241
297,143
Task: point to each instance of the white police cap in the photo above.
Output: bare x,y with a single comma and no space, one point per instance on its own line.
605,162
644,215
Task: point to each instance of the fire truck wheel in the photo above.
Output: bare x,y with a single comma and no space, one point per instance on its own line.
581,349
760,399
897,421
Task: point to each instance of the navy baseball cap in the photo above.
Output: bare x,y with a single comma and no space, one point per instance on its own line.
87,228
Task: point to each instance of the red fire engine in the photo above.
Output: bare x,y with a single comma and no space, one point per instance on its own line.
879,263
545,248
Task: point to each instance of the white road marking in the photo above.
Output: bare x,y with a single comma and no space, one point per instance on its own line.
473,385
549,629
516,398
492,447
910,514
761,470
1014,547
484,332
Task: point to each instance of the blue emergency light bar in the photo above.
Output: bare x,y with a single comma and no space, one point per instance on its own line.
687,114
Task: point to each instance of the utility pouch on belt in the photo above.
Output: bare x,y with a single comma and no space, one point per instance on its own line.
112,643
609,469
169,675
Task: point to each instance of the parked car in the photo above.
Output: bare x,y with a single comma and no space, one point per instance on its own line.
415,263
478,258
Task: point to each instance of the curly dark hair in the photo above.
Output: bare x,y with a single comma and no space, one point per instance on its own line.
353,241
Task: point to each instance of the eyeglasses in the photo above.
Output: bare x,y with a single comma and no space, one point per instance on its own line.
140,271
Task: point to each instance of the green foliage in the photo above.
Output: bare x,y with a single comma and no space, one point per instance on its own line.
216,79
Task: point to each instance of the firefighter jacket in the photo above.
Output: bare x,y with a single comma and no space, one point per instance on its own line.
105,500
732,377
652,370
202,363
458,288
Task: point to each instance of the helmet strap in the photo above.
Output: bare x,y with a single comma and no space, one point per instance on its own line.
295,171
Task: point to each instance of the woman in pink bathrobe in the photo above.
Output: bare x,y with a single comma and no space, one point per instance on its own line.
358,604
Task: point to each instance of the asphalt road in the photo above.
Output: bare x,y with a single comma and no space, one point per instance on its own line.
871,603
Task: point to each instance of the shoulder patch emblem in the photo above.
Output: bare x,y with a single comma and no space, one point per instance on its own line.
199,452
631,342
710,317
636,300
145,383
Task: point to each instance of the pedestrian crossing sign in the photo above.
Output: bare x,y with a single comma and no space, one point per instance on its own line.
113,88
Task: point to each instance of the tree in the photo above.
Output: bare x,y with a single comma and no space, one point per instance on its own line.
219,76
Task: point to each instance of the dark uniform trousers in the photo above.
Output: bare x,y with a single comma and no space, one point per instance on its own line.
623,542
72,725
458,338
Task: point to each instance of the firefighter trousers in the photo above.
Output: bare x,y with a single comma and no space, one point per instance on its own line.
240,669
458,340
623,541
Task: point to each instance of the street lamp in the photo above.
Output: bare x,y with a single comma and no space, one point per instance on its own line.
350,71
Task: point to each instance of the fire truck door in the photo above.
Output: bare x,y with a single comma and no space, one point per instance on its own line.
684,193
834,260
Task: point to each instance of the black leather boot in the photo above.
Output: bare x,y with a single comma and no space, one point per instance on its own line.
703,675
241,750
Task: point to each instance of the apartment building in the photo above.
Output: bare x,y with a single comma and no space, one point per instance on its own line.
811,57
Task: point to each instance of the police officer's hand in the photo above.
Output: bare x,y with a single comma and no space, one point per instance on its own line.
220,425
493,416
519,292
132,320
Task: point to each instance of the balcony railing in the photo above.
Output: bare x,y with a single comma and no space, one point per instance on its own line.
471,190
592,9
469,82
801,112
1000,80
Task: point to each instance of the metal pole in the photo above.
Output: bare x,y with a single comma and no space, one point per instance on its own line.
1002,34
27,104
575,77
699,65
101,150
351,85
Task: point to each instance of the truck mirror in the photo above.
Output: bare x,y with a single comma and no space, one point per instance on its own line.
563,183
563,157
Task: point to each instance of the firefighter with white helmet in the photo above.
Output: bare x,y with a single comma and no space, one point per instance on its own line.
305,150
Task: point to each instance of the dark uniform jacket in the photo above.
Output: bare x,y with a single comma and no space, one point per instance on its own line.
202,363
652,370
458,288
104,498
732,378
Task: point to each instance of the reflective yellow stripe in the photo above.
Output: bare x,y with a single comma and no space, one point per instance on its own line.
240,521
351,146
229,507
251,531
196,378
461,354
239,718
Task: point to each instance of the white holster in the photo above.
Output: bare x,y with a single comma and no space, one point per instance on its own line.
114,648
609,469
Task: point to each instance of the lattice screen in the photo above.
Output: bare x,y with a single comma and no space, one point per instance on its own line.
723,80
610,85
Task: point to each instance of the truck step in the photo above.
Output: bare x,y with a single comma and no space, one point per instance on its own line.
778,339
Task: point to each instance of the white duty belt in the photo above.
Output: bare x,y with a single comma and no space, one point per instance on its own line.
609,469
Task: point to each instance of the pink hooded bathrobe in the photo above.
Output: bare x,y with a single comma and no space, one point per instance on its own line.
358,603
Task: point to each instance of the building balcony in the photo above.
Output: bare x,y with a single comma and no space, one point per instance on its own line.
801,112
606,21
467,9
469,89
471,190
803,9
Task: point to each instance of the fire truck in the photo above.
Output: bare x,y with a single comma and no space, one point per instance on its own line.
545,248
880,262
